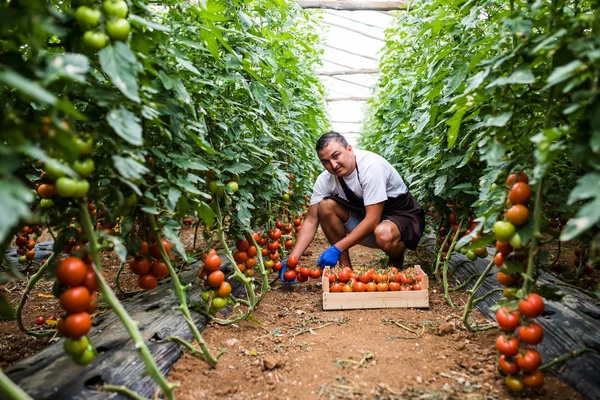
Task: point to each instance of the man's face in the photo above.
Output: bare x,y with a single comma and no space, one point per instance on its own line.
337,159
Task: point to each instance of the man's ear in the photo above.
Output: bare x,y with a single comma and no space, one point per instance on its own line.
349,148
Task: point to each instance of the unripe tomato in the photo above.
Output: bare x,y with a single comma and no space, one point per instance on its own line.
81,188
516,241
86,357
504,231
66,187
216,188
218,303
118,29
95,41
513,383
85,146
224,289
84,167
114,8
75,347
87,18
233,186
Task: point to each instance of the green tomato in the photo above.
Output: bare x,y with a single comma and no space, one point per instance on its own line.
233,186
76,347
82,188
471,255
218,303
66,187
216,188
85,146
84,167
46,203
86,357
285,197
23,259
116,8
427,229
504,230
516,241
118,29
207,294
87,18
95,40
463,250
54,169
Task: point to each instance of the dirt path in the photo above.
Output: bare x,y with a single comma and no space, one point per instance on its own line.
351,354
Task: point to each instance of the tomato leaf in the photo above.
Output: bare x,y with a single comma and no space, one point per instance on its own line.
499,120
15,198
28,87
126,125
519,77
454,124
7,312
586,217
121,66
238,168
171,230
137,20
206,214
588,186
129,168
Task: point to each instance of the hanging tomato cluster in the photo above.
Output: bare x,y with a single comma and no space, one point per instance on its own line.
149,265
346,279
245,255
76,290
216,298
25,241
454,230
89,17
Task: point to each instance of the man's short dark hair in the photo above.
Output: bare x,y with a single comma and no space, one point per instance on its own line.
329,137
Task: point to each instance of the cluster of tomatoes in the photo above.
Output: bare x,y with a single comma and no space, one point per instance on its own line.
149,265
25,241
113,13
517,214
581,260
521,364
300,273
76,289
55,182
346,279
454,226
216,297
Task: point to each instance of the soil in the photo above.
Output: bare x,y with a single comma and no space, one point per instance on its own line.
299,351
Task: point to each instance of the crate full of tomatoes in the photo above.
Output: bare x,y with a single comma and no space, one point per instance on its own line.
345,288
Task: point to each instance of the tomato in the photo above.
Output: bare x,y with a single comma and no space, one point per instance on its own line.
216,188
499,260
207,294
155,249
86,357
76,347
159,269
504,231
532,306
30,254
77,325
224,289
84,167
46,190
274,256
219,303
275,234
242,245
506,346
272,246
302,277
297,221
118,29
285,197
507,318
93,305
240,256
66,187
517,214
347,288
288,244
46,203
452,218
416,286
188,221
344,276
534,380
75,299
147,282
506,279
516,241
508,366
513,383
383,287
269,263
40,320
471,255
71,271
22,259
114,8
336,287
216,278
140,265
87,18
292,262
250,263
252,252
532,334
503,248
315,273
289,275
95,41
233,186
530,361
359,287
481,252
144,248
394,286
85,146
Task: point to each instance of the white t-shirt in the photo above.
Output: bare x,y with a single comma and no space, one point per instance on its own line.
379,181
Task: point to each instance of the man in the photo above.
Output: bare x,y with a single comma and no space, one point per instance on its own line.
359,199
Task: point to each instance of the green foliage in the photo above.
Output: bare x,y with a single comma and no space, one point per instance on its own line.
473,90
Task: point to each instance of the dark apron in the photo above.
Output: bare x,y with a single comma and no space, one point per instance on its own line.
404,211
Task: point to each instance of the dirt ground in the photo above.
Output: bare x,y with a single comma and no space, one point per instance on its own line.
302,352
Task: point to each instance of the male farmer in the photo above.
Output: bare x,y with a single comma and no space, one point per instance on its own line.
359,199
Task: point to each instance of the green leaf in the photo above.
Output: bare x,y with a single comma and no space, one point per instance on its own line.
587,187
126,125
499,120
120,249
519,77
137,20
28,87
188,186
14,205
588,216
188,65
121,66
563,73
129,168
440,184
238,168
69,65
206,214
7,312
171,230
172,198
454,124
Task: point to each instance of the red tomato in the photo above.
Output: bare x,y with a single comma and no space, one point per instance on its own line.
534,380
140,265
71,271
382,287
250,263
275,234
274,256
76,325
416,286
532,306
240,256
371,287
507,318
506,346
347,288
224,289
532,334
91,283
301,277
147,281
155,250
394,286
315,273
507,365
289,275
272,246
336,288
499,259
292,262
216,278
159,269
75,299
505,279
212,263
252,252
530,361
359,287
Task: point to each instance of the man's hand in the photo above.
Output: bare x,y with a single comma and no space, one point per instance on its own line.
283,270
330,257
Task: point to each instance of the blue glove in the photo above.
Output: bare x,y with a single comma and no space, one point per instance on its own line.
282,271
330,257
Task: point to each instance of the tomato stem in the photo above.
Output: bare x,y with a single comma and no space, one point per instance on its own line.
537,218
118,281
566,356
115,304
471,299
124,390
180,292
446,260
13,391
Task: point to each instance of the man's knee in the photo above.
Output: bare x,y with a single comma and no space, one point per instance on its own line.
327,207
386,238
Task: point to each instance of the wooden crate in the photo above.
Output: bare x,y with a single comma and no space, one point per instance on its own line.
399,299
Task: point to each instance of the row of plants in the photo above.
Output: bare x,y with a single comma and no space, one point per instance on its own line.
488,108
124,120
